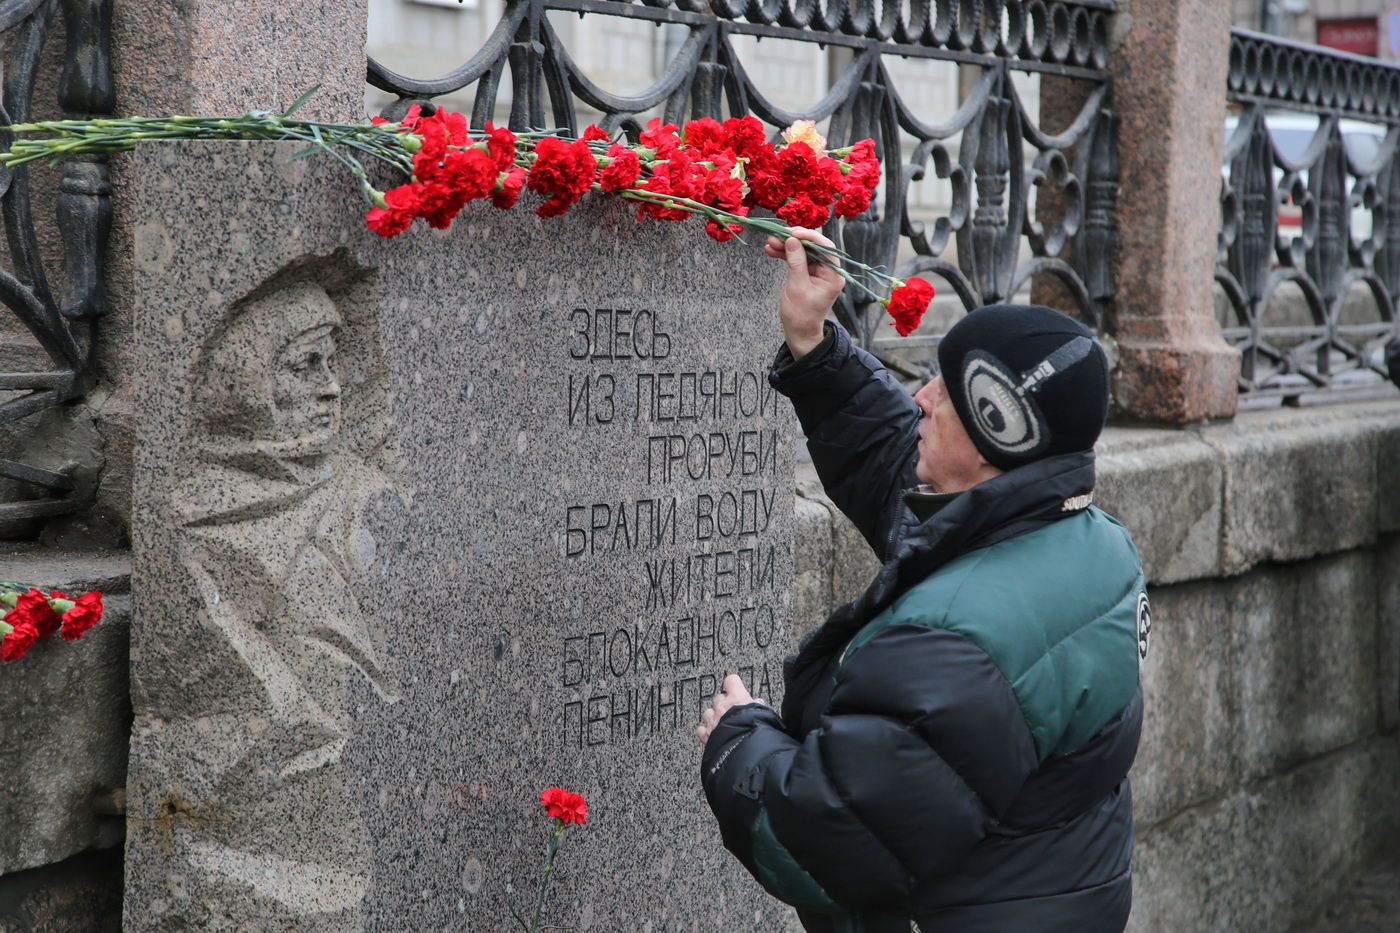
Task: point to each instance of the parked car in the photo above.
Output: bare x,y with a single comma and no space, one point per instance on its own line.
1291,133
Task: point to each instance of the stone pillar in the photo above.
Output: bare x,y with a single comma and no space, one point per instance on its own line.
1169,86
214,57
201,57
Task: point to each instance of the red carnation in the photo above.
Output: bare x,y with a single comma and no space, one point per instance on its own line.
447,125
907,305
767,188
802,211
826,182
403,203
661,137
501,144
565,805
677,177
855,200
866,174
865,167
33,608
722,188
801,170
595,133
744,137
465,175
17,643
86,613
508,187
704,135
623,171
563,171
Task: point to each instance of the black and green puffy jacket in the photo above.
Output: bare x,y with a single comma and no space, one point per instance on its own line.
954,745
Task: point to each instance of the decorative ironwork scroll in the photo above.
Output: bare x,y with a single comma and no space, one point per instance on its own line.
1313,207
992,154
59,316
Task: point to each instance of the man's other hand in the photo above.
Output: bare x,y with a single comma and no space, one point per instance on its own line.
732,693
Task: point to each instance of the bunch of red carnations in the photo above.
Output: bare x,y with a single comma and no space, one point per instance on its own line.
30,614
711,169
718,171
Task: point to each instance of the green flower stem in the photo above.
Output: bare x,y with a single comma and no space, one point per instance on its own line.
828,256
555,838
77,137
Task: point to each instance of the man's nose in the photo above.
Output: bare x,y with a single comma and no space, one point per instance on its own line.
927,397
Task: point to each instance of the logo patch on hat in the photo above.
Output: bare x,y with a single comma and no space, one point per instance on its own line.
1002,401
1005,417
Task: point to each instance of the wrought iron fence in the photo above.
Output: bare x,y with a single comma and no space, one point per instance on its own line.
991,153
1309,249
58,310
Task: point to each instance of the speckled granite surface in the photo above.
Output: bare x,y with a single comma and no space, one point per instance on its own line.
425,526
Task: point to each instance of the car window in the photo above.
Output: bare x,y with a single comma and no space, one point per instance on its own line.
1291,143
1362,146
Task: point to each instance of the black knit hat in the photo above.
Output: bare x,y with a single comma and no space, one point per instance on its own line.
1027,382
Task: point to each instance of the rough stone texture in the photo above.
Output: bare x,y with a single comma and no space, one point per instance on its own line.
1170,68
386,592
1259,859
1297,484
1306,660
1388,492
1388,634
1189,751
1251,676
80,895
1372,905
214,57
812,552
1165,487
65,744
853,563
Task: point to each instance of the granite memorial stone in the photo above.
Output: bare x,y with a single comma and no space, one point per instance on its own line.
425,526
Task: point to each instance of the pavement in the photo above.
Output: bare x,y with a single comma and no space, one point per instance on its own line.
1372,905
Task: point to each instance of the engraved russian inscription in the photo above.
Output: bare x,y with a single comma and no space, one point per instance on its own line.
696,550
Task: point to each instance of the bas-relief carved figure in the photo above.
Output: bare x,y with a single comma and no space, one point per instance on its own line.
276,535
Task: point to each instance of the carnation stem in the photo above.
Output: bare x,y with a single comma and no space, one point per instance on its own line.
827,256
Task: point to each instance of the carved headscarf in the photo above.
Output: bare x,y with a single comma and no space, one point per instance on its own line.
235,394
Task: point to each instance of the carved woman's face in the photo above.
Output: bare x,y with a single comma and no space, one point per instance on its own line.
305,390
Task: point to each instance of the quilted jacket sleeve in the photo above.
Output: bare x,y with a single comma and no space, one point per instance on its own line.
922,749
862,431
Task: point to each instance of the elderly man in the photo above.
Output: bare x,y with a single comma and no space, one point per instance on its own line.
954,745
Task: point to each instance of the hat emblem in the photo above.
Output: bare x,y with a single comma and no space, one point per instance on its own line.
1005,417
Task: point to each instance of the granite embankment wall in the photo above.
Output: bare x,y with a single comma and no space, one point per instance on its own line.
1266,779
